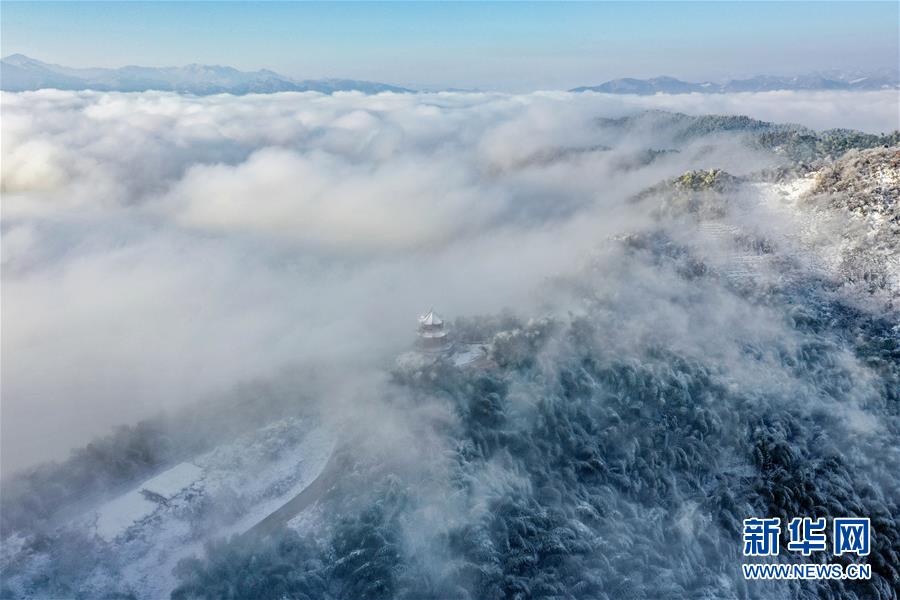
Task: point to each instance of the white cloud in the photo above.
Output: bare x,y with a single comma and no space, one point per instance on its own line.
158,248
323,198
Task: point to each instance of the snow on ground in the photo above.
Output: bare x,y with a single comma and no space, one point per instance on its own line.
284,479
308,520
784,201
801,231
810,232
247,479
821,233
468,354
461,355
173,481
146,532
854,246
114,518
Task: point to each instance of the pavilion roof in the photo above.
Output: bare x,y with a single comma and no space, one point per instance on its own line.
431,318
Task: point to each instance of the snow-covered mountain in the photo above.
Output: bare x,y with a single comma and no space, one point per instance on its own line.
830,80
21,73
726,347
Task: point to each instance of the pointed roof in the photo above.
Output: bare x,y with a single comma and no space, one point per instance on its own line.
431,318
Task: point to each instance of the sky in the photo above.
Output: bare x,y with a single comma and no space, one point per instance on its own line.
498,46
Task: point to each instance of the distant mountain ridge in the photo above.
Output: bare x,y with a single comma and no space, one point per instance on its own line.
20,73
831,80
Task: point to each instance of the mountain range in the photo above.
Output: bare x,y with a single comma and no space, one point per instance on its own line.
831,80
21,73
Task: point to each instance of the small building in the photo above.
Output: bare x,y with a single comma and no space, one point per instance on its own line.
435,344
433,333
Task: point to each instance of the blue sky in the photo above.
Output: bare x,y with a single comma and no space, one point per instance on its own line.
510,46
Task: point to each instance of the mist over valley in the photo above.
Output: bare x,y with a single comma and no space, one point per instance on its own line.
652,316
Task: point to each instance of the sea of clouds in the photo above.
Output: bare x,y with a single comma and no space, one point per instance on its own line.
159,248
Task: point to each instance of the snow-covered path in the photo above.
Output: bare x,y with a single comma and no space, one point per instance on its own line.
306,498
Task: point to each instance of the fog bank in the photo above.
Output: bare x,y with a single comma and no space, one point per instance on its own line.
158,249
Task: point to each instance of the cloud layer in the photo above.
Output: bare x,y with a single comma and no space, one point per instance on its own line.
160,248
